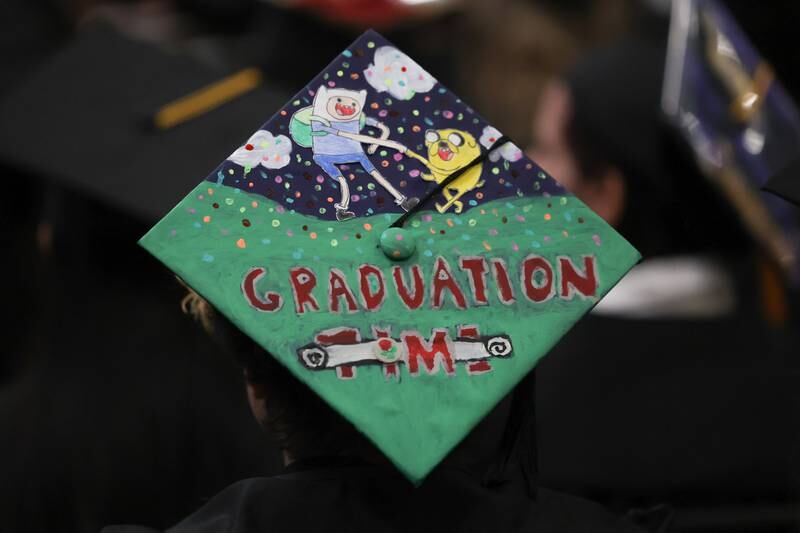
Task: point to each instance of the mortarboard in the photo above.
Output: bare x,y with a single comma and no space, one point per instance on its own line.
107,114
393,250
786,183
739,121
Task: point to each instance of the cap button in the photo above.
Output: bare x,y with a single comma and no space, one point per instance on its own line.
397,243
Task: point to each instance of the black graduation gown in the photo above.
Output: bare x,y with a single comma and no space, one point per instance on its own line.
655,409
369,498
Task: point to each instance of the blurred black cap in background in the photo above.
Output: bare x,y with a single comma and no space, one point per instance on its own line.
88,118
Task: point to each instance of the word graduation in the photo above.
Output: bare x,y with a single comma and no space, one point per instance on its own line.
538,280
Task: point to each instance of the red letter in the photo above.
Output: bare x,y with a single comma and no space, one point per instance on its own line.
337,286
412,302
476,268
443,279
585,284
438,347
272,301
340,336
504,290
372,300
537,292
303,282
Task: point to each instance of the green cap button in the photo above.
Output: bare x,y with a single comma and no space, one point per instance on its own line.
398,243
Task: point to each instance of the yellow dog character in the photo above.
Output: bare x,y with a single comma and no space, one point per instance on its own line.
448,151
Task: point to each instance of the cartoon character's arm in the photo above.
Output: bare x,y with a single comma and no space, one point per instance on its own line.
384,129
414,155
321,126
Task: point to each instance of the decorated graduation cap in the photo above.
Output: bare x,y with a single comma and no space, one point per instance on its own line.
739,121
393,250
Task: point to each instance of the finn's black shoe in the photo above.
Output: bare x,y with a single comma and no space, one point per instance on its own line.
344,214
409,203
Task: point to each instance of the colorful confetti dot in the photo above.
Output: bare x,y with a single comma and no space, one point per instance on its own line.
241,243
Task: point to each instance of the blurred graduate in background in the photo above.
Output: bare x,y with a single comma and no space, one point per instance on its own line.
681,385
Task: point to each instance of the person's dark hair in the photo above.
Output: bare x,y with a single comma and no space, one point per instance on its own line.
617,121
298,420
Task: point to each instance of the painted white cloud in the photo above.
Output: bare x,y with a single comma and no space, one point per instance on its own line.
262,148
509,151
394,72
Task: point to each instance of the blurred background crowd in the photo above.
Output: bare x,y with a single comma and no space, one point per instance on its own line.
678,398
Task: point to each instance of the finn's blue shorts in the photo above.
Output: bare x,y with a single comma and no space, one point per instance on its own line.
328,162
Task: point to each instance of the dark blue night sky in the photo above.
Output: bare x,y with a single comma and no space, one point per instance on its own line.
303,186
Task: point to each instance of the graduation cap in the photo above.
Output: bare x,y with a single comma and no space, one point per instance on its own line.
737,118
786,183
128,122
393,250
